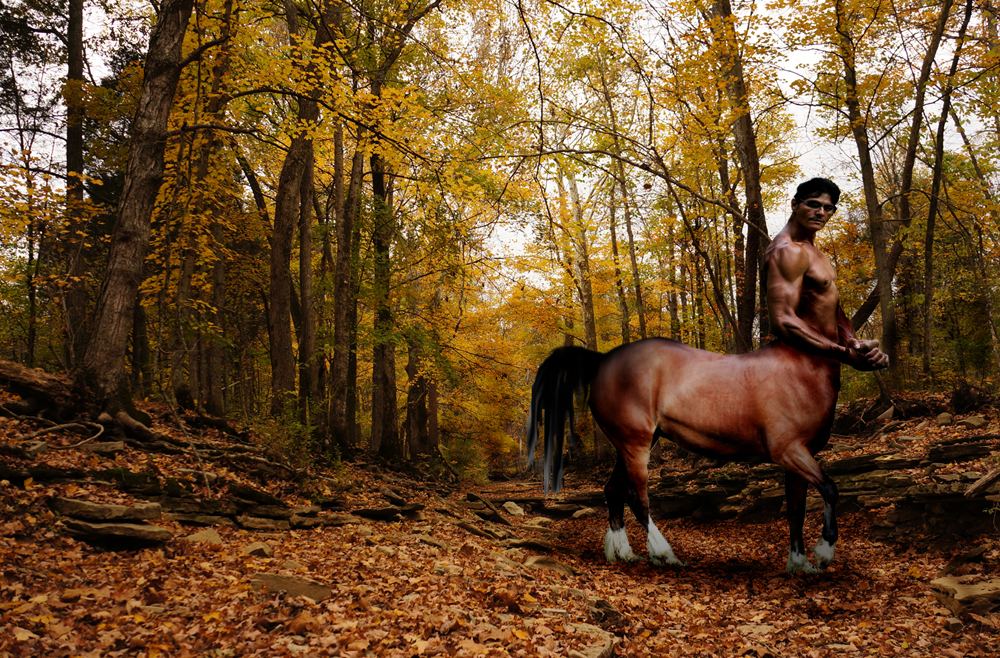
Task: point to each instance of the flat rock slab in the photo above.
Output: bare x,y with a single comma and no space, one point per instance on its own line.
605,647
254,495
853,464
958,452
340,519
513,509
546,562
261,523
117,531
293,585
258,549
559,511
84,509
378,514
201,477
209,536
199,519
106,447
972,422
959,596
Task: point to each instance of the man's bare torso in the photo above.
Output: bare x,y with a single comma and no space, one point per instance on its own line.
819,296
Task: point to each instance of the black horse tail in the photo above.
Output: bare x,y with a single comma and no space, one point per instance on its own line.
565,371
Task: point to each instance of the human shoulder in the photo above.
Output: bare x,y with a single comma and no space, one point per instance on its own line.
790,258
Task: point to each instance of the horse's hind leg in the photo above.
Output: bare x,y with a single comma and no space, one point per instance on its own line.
801,470
795,497
638,499
616,546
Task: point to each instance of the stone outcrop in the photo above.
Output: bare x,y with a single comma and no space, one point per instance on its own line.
117,525
961,596
881,486
113,533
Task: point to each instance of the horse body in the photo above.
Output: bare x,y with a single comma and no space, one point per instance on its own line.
775,404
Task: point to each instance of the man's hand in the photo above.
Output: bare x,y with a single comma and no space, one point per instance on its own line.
865,355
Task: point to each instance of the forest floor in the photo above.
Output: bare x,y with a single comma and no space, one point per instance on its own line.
429,587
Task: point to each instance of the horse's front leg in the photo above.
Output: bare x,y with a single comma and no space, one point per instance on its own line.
824,548
795,498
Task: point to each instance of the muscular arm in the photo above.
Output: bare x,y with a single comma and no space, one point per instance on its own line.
787,267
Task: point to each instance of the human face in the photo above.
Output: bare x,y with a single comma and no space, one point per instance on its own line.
814,212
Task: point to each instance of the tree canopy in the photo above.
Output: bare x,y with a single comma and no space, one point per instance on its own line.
371,220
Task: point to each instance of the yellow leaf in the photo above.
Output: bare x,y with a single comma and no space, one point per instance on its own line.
529,598
213,616
29,483
520,634
906,645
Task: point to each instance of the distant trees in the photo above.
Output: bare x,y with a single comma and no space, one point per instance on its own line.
370,221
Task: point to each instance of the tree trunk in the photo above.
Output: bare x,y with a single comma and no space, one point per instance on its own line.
675,321
76,289
385,424
308,357
876,225
938,174
619,289
582,260
103,365
417,434
746,150
215,399
344,297
885,265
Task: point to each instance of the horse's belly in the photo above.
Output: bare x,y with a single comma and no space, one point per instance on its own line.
726,438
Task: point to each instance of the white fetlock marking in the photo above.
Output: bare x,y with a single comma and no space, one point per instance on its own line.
617,548
659,548
797,562
824,552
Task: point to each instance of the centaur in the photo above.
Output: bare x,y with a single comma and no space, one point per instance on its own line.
775,404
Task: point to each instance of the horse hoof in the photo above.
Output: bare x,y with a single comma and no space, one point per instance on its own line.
667,562
798,563
823,552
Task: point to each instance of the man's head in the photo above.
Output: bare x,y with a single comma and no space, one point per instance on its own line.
814,203
817,186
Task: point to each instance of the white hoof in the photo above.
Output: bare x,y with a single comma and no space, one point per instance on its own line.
798,563
617,548
824,553
659,549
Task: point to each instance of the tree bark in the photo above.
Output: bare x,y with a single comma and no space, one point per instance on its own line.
344,298
103,364
619,289
287,208
876,225
745,142
308,357
76,290
582,260
885,264
385,424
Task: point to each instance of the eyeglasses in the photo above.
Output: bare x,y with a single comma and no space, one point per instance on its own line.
816,205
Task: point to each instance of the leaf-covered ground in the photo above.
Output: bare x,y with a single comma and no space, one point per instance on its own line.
429,587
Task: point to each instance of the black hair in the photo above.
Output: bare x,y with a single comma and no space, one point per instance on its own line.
816,186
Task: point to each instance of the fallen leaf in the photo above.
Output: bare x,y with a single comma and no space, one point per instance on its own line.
22,634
